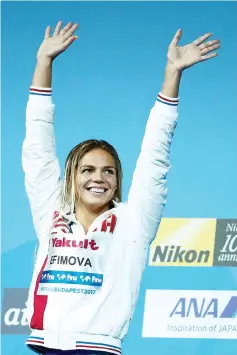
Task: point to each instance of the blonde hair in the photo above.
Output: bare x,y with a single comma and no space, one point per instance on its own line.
69,193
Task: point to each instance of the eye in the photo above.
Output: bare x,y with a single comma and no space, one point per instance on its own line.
87,171
109,172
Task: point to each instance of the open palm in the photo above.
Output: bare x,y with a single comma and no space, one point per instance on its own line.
192,53
61,39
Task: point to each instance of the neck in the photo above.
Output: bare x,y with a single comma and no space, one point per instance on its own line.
86,216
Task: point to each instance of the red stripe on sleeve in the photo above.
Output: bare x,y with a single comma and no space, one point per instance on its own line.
39,90
163,98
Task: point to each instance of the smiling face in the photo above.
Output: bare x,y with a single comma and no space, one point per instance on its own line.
96,181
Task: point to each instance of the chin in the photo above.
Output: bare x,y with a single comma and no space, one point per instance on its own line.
96,203
97,206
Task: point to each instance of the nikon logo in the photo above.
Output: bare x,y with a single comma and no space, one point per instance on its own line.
177,254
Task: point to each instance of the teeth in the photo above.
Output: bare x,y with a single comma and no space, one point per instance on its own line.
94,189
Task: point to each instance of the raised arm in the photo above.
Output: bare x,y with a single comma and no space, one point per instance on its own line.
147,196
40,164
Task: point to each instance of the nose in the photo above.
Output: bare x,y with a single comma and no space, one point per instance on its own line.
97,176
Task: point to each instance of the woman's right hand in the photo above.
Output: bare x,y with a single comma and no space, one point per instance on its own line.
54,45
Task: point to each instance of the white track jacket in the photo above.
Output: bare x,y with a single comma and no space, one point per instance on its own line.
85,286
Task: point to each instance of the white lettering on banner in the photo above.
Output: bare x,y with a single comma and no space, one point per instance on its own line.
15,316
231,244
68,290
190,314
231,227
227,257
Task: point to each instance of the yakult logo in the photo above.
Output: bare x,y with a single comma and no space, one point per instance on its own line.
14,319
69,243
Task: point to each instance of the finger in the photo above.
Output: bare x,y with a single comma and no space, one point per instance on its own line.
208,56
66,28
69,41
210,49
57,28
47,32
176,38
209,44
70,32
201,39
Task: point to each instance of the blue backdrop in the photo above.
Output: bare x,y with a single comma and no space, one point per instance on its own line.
104,86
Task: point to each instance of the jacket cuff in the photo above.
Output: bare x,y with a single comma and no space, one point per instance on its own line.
40,95
167,104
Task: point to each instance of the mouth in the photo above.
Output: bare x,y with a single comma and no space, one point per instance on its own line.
96,190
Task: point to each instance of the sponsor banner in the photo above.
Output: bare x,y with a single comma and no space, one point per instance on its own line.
225,253
183,242
190,314
14,319
195,242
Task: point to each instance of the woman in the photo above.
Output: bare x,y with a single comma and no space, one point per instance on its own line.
92,247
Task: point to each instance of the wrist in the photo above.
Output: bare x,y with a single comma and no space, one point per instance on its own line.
42,77
172,71
170,87
44,61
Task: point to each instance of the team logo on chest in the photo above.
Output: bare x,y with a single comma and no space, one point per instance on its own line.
108,225
61,224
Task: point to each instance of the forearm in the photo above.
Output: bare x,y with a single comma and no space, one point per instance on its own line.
171,82
147,195
39,160
43,73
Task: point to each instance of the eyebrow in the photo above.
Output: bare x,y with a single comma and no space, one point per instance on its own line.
93,166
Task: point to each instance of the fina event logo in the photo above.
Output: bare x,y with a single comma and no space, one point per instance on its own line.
195,242
14,320
190,314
